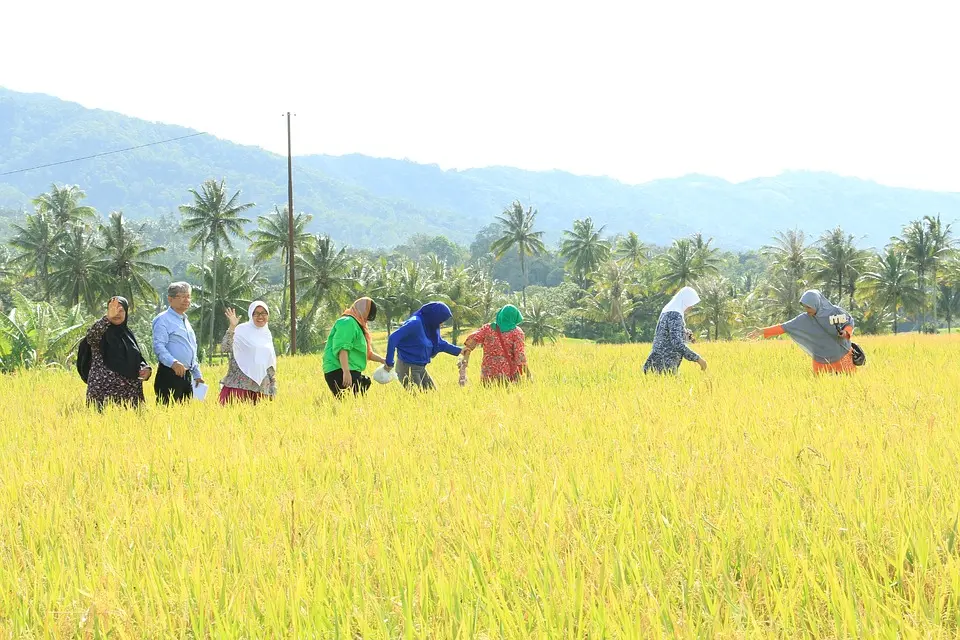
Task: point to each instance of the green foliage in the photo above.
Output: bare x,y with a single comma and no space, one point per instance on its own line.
717,310
893,283
688,260
612,290
238,286
37,334
214,220
79,274
127,263
539,324
584,249
323,274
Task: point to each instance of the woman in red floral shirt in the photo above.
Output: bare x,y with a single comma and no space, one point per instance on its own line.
504,356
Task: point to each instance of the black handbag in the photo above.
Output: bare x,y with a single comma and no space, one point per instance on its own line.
84,359
859,357
856,351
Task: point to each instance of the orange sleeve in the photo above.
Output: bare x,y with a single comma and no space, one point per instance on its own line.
775,330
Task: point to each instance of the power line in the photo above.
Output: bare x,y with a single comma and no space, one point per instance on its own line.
98,155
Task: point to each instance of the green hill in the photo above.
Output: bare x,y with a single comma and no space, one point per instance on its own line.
373,202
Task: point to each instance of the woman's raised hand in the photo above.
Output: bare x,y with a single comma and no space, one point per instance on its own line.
232,318
755,335
114,311
114,308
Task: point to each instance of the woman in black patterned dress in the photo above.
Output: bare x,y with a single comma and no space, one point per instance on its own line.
669,344
117,367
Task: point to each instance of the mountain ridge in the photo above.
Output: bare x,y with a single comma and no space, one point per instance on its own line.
375,202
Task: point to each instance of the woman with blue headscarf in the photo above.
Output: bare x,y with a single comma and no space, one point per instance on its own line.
416,342
824,331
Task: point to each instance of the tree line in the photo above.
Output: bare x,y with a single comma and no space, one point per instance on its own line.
62,260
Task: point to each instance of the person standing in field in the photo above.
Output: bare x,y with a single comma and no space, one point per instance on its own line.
251,373
504,354
823,330
669,344
418,340
175,344
348,349
111,357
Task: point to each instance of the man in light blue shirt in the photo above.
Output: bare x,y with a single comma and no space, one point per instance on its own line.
175,344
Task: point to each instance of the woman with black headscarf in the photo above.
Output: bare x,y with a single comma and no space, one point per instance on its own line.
117,367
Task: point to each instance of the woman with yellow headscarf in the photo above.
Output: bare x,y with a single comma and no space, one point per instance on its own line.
349,348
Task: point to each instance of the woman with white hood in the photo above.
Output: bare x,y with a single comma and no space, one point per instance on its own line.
669,346
253,360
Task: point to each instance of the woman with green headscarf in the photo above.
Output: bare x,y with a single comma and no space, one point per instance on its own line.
504,356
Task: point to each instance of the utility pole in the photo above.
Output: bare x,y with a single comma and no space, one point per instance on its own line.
293,279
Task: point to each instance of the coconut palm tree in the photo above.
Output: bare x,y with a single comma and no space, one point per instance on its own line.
490,292
612,300
518,233
37,242
918,246
585,249
893,283
680,264
706,257
79,273
838,262
383,285
272,237
791,258
631,250
323,272
415,287
237,286
941,245
717,306
539,324
127,262
63,205
950,289
458,288
214,219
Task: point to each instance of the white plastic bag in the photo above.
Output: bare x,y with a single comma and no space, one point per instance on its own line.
200,391
383,376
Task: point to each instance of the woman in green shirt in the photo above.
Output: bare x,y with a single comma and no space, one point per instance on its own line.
349,348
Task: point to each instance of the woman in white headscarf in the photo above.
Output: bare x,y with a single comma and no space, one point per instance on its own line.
669,346
253,360
823,330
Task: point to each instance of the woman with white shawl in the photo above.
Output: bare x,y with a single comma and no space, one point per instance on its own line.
669,346
253,361
823,331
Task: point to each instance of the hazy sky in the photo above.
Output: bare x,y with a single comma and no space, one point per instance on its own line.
634,90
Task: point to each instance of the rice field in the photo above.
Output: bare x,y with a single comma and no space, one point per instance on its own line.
750,501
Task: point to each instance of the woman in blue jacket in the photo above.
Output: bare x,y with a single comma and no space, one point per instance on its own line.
416,341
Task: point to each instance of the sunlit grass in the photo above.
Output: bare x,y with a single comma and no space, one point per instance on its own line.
754,500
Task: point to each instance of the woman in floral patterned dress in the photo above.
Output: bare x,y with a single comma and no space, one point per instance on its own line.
504,356
117,366
669,341
251,374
